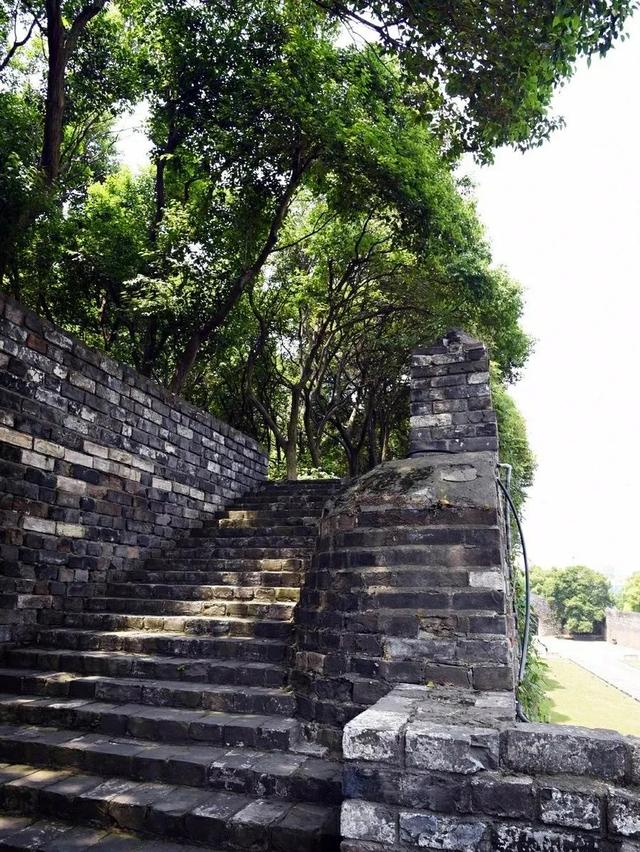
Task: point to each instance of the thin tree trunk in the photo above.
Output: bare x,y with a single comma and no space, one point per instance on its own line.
54,109
291,450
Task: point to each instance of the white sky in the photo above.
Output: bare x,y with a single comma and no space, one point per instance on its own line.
565,220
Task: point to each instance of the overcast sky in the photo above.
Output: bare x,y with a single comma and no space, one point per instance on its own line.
565,220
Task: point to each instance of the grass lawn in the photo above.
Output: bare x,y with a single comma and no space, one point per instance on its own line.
577,697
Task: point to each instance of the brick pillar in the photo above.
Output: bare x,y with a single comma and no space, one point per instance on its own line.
451,407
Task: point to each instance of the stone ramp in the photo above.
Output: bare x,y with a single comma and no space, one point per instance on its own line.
162,707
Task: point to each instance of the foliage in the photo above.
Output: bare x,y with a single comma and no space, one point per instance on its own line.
514,444
577,595
493,67
630,596
300,228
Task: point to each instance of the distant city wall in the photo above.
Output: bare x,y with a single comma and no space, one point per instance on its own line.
99,467
623,628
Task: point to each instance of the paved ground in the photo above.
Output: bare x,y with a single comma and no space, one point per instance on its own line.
606,661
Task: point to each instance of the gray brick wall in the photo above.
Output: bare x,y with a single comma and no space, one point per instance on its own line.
449,769
99,468
451,408
623,628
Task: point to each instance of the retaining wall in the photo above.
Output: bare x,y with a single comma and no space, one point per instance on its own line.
99,467
623,628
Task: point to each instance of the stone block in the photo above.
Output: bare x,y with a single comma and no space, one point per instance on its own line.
519,838
503,796
624,812
465,750
374,735
565,749
368,821
442,832
571,808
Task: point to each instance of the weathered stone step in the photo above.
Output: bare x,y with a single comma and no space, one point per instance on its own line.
187,553
215,565
226,820
250,532
265,518
120,664
155,693
171,644
197,625
296,486
54,835
262,591
284,775
227,566
269,610
158,724
305,505
243,538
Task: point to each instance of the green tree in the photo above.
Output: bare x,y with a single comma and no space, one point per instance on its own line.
578,596
492,67
630,596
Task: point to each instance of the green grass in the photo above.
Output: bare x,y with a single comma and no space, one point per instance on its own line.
576,697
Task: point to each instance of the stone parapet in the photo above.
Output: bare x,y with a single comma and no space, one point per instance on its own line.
448,769
451,408
408,584
100,467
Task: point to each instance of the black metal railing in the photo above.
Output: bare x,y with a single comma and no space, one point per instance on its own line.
510,510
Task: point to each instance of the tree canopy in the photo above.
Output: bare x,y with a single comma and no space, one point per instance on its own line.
578,596
300,226
630,595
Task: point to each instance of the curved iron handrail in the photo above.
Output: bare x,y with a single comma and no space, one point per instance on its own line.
527,584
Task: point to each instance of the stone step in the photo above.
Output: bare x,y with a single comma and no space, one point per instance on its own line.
265,518
140,605
54,835
289,776
207,591
187,552
119,664
253,531
176,561
196,625
296,486
300,505
240,539
215,818
155,693
157,724
166,643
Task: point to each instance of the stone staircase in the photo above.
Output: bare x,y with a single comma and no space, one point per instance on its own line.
161,708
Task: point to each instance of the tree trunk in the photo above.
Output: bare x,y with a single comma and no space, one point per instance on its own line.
186,362
54,109
292,434
312,441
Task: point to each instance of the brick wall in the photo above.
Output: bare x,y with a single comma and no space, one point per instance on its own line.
445,769
451,408
623,628
99,467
